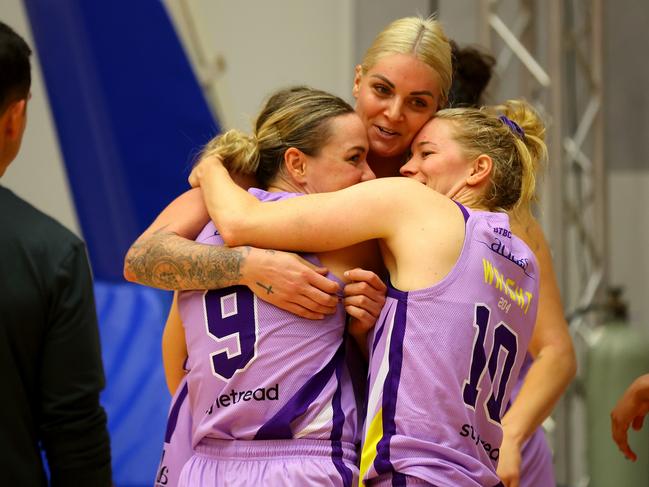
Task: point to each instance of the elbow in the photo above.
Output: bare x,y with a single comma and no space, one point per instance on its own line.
128,271
571,362
566,359
233,230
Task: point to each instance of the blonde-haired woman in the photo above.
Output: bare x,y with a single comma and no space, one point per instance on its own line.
268,398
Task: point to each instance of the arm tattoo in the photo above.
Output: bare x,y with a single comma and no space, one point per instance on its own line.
167,261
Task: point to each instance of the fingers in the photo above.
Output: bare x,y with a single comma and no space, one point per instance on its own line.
637,422
368,277
361,321
303,312
322,283
197,172
320,270
316,301
364,299
620,436
509,479
302,299
362,303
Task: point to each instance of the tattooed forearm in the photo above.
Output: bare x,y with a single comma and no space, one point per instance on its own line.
165,260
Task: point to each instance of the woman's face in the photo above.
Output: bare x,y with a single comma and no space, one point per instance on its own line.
437,160
341,162
394,99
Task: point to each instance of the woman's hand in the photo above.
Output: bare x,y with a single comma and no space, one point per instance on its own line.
364,300
509,462
203,166
289,282
630,410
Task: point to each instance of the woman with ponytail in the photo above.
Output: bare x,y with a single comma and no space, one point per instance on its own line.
268,396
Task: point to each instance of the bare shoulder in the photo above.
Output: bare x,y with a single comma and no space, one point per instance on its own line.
407,190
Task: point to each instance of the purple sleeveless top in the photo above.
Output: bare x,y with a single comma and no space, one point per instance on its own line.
257,372
444,360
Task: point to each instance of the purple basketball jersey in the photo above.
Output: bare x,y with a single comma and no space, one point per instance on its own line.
177,448
444,360
257,372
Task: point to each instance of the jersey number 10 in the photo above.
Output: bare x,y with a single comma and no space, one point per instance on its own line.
504,340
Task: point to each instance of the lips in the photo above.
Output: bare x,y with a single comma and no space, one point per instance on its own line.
386,132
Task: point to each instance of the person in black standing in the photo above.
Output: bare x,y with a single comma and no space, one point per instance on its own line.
50,358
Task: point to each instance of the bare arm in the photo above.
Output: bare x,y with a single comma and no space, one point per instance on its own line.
630,410
314,222
554,363
164,257
174,348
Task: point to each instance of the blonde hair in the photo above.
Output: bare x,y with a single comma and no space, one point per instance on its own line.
294,117
517,149
421,37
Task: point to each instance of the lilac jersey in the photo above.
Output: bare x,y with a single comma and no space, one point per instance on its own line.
177,447
257,372
443,362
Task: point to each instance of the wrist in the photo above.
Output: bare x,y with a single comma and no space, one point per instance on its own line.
512,435
250,260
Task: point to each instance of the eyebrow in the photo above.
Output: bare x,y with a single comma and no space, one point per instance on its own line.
425,142
412,93
358,147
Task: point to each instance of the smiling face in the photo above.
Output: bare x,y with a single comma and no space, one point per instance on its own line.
341,162
394,99
438,160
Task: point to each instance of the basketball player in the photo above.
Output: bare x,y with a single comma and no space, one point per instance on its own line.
270,393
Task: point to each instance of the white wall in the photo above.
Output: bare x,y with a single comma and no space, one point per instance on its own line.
262,48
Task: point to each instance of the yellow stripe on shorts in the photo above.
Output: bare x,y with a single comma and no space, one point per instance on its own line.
372,438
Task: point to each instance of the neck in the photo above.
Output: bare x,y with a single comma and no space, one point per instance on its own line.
469,198
281,184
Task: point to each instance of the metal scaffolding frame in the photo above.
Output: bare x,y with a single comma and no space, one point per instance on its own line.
550,52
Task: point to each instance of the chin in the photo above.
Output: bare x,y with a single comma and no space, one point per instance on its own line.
381,150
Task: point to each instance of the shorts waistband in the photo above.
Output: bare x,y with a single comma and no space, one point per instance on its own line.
387,482
265,449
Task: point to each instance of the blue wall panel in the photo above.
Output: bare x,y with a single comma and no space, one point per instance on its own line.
129,113
136,398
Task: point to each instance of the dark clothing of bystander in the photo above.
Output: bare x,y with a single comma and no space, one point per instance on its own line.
50,359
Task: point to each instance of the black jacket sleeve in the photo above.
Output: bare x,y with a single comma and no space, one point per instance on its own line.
72,421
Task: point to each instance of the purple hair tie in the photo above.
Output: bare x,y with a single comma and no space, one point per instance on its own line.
513,126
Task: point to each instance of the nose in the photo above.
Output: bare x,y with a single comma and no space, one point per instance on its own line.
367,173
409,169
394,109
